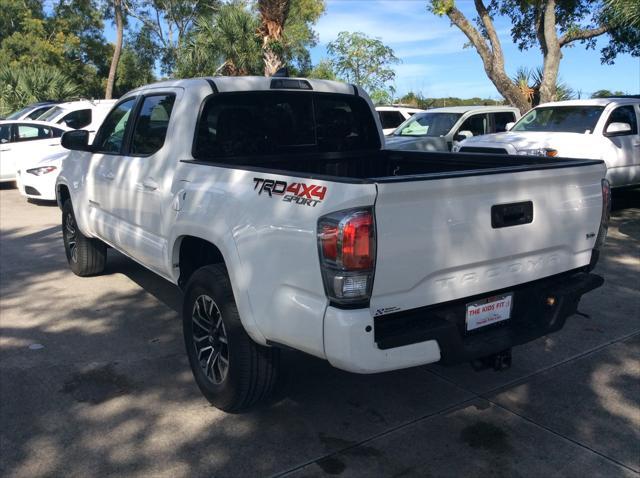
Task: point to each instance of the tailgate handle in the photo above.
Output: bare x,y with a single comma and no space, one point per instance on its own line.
513,214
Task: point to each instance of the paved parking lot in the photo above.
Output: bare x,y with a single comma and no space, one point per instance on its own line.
94,382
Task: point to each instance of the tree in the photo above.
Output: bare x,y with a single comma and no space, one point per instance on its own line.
549,25
323,71
169,22
118,14
222,43
137,63
298,35
68,37
606,93
273,15
26,84
357,58
529,81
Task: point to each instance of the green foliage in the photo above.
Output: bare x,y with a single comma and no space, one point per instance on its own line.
529,81
69,38
299,36
357,58
606,93
417,100
223,43
24,84
573,17
322,71
136,63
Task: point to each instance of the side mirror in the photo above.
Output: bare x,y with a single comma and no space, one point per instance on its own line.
508,126
462,135
77,140
616,129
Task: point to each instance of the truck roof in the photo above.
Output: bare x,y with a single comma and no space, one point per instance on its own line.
254,83
592,102
464,109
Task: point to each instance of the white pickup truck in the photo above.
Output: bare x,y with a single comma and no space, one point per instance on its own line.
272,204
605,129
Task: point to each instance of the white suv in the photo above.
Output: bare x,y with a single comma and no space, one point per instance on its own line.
83,114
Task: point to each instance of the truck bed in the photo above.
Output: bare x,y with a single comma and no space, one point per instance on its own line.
390,166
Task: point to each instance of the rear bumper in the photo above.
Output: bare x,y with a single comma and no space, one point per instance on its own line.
357,342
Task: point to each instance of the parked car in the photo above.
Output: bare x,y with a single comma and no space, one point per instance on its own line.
36,179
26,140
439,129
32,111
84,114
272,203
605,129
393,116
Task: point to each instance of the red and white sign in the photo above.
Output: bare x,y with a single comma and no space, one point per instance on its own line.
488,311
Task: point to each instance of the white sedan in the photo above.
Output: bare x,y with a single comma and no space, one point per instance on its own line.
37,179
26,141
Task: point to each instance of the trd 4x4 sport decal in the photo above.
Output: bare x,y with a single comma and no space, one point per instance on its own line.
297,193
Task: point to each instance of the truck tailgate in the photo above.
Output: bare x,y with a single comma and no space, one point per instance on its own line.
436,240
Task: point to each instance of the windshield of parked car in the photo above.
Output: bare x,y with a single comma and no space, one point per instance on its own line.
51,114
560,119
428,124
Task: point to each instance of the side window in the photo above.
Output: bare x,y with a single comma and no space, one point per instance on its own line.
111,134
77,119
57,132
5,134
477,124
501,120
390,119
151,124
31,133
624,114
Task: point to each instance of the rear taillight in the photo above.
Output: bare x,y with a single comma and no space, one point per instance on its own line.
606,213
347,247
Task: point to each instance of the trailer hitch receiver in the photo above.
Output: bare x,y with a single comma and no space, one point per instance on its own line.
498,361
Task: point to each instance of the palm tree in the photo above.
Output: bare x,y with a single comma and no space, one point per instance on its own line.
529,82
28,84
273,15
225,43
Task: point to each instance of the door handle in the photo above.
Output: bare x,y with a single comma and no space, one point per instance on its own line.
149,184
5,149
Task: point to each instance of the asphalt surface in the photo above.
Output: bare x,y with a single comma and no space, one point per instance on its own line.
94,382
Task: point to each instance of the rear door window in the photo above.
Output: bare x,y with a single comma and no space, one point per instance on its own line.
390,119
151,124
262,123
500,120
77,119
624,114
38,111
477,124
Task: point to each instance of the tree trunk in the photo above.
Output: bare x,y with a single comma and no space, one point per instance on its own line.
117,7
551,52
273,17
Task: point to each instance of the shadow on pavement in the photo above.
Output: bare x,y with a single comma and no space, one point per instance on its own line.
94,381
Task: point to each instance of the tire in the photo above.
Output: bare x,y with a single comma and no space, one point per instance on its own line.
232,371
86,256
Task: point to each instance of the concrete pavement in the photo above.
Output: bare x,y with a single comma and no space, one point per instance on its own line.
94,381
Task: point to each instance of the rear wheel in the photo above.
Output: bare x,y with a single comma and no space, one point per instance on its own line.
86,256
231,370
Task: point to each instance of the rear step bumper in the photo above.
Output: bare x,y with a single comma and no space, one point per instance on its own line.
357,342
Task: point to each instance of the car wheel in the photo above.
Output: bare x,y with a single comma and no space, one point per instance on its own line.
232,371
86,256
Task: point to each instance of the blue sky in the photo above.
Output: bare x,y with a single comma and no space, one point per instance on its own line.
435,62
